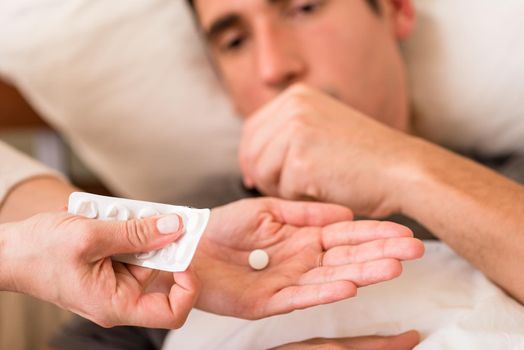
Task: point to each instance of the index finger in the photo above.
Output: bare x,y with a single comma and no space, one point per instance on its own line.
159,310
259,130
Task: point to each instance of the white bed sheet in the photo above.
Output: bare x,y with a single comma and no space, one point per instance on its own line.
451,303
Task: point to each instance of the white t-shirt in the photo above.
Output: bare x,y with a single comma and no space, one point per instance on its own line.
17,167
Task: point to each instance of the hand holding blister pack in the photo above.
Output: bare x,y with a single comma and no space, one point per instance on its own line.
260,257
176,256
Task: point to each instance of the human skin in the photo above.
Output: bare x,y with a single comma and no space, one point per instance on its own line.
404,341
318,255
338,46
65,259
87,282
321,84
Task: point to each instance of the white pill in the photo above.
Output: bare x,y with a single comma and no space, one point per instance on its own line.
87,209
258,259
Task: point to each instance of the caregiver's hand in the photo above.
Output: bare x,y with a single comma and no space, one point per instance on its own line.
64,259
317,256
404,341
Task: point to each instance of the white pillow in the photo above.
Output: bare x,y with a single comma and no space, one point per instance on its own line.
90,59
138,66
466,67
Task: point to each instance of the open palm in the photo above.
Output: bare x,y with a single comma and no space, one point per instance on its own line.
317,255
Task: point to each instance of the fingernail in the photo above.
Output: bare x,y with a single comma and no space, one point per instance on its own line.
168,224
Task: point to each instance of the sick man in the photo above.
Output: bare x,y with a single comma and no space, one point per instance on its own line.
322,87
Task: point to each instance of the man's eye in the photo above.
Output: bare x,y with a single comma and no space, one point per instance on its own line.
305,7
232,44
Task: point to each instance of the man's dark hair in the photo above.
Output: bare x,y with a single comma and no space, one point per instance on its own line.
372,3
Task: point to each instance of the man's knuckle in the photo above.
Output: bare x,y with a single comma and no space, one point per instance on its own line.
294,180
295,105
297,126
296,95
297,165
299,89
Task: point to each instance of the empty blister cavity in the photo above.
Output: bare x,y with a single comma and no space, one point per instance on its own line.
168,254
86,208
180,252
118,212
174,257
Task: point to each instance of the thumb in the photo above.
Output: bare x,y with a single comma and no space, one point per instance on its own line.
136,236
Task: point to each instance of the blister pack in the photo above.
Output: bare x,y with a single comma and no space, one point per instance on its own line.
176,256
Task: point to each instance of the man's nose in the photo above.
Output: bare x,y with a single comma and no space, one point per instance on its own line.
278,60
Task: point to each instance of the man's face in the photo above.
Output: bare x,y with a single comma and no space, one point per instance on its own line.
339,46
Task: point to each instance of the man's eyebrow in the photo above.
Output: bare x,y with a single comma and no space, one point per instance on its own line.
222,24
228,21
278,2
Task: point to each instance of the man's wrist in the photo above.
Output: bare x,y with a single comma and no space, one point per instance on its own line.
428,173
414,175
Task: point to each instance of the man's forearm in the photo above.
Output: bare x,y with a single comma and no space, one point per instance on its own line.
34,196
477,212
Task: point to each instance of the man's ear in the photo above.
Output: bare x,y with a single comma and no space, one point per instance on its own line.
402,17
